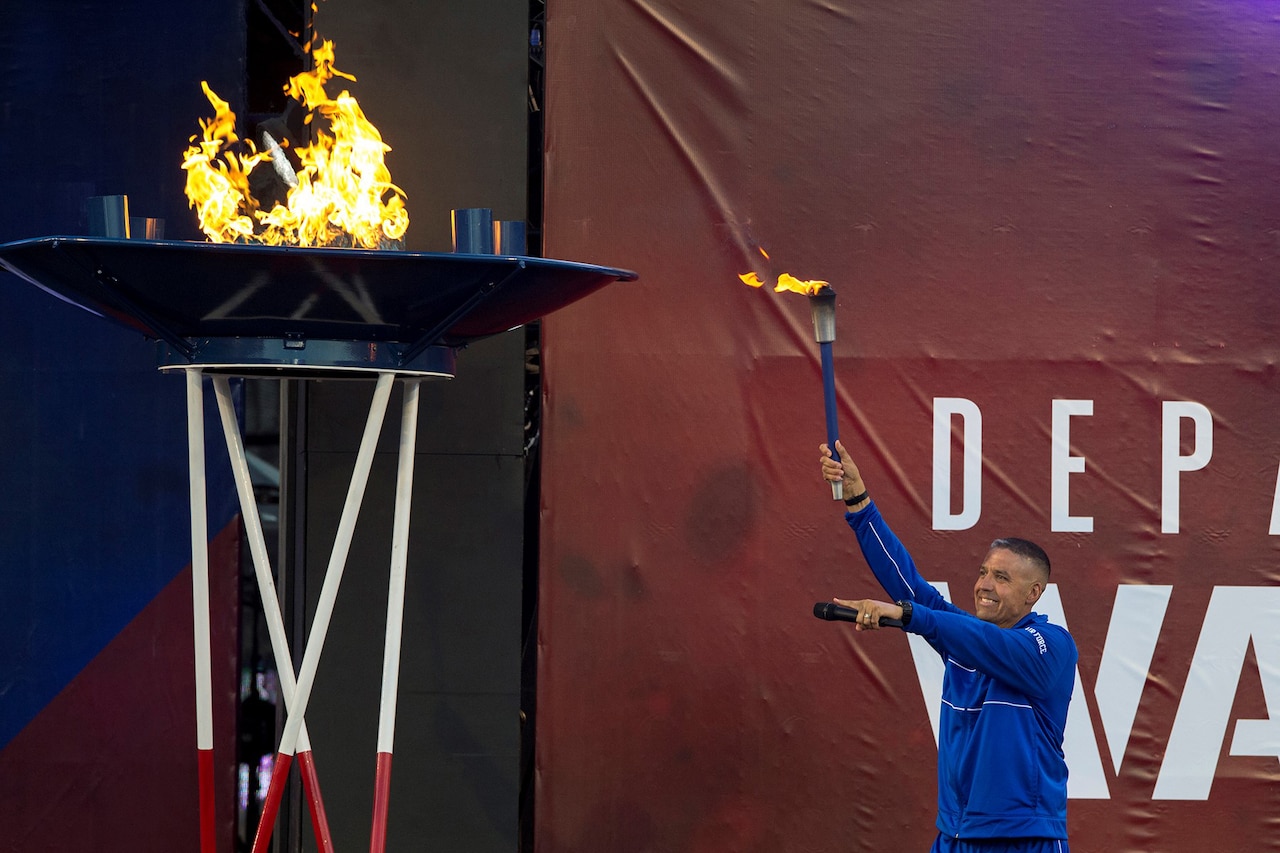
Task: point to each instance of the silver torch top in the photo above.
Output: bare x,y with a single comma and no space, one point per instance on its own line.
823,305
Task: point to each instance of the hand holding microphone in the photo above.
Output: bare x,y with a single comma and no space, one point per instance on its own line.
866,615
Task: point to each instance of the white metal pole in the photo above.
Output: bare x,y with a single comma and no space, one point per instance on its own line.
200,607
270,601
324,609
395,613
258,548
337,562
399,558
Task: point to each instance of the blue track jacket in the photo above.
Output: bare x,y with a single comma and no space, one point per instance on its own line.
1001,772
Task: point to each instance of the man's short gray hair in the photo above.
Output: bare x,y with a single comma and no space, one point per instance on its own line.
1026,549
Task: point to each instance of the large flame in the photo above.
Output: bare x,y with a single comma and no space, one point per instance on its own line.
340,195
785,281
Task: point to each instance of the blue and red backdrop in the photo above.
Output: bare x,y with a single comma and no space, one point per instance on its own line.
97,687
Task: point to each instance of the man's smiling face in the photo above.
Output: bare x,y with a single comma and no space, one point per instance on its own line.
1007,587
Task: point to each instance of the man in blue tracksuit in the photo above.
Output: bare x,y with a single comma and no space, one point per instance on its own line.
1002,779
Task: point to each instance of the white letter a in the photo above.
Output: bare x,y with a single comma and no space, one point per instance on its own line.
1236,615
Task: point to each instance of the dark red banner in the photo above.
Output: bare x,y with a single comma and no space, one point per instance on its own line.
1053,230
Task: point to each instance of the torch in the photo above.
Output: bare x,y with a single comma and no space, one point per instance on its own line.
822,303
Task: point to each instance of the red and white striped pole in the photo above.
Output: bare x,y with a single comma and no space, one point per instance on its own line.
270,604
395,615
324,609
200,608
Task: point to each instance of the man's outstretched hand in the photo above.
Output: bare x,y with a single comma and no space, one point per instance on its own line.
871,612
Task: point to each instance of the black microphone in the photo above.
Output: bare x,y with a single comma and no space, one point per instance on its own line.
836,613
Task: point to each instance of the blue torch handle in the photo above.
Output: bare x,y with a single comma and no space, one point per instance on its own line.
829,397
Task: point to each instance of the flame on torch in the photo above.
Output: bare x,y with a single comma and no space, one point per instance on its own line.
785,282
822,303
341,194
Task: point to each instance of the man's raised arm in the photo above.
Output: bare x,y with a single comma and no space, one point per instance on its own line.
884,552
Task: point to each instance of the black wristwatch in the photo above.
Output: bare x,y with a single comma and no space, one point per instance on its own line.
906,612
